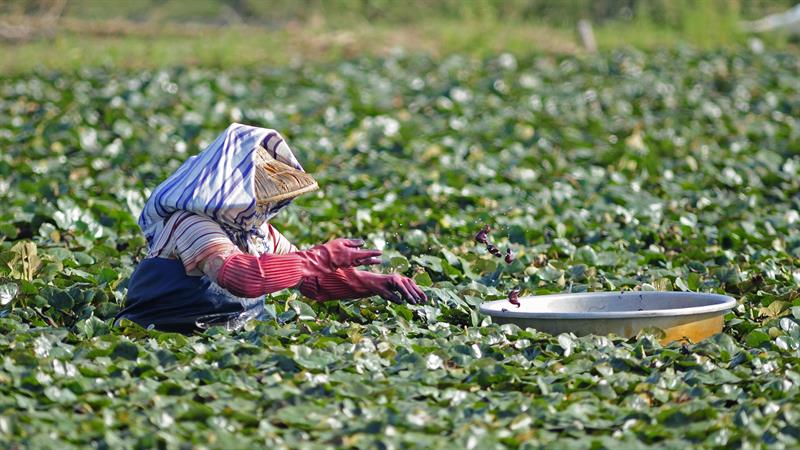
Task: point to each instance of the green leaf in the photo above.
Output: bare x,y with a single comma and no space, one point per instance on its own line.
399,263
303,310
125,350
92,327
61,300
756,338
431,262
416,238
586,255
423,279
59,395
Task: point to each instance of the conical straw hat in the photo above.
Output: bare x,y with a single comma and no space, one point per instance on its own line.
276,181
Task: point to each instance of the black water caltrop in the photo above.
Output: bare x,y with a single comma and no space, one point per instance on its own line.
513,297
494,250
509,256
483,235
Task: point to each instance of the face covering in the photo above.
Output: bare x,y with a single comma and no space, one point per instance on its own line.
242,180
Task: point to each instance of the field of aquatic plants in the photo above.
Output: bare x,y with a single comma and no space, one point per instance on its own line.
669,171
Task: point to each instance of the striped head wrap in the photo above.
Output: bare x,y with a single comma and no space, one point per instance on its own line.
218,183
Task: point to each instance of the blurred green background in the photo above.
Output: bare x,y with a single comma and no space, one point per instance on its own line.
69,34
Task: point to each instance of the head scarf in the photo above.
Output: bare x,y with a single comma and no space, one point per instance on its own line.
218,183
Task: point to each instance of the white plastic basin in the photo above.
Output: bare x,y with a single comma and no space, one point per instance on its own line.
680,315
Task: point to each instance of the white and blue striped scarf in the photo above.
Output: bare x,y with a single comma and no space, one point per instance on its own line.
219,183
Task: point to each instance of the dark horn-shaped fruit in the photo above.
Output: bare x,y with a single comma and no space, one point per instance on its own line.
509,256
483,235
513,297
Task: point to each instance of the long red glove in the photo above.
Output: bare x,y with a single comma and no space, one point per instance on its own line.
351,284
250,276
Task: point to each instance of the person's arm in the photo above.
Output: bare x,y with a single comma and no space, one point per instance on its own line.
345,284
200,244
252,276
204,249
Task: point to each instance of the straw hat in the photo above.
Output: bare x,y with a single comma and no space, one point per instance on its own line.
276,181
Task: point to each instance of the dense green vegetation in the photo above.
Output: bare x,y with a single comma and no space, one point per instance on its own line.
662,170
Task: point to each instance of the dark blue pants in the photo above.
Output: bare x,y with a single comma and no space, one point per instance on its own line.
162,296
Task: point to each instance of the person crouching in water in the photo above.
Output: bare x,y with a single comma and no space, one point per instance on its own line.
213,255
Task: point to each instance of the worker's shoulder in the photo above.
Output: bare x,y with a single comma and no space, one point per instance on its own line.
187,219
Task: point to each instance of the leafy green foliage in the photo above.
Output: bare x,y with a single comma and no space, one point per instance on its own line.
666,170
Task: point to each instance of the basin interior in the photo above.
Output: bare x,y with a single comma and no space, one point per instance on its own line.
611,304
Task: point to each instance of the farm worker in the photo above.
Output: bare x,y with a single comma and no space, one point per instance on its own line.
213,255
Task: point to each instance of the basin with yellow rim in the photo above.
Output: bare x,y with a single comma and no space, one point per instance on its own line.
686,316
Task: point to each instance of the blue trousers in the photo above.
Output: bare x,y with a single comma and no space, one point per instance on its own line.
162,296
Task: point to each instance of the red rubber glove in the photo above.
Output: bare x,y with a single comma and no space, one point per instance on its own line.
351,284
336,254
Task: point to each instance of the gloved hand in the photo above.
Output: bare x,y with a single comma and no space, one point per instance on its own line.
351,284
336,254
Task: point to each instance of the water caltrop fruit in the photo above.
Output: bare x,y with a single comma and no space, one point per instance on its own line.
513,297
483,235
509,256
